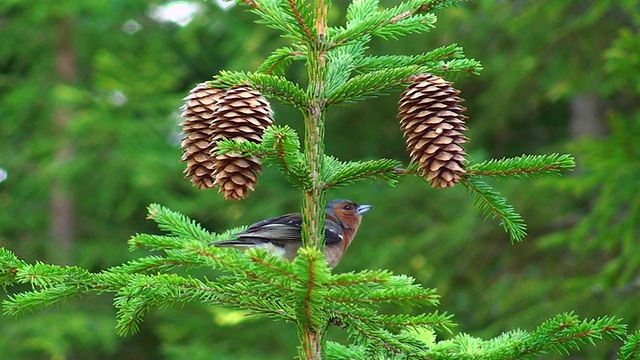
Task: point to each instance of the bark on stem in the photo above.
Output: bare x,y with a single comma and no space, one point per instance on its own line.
313,338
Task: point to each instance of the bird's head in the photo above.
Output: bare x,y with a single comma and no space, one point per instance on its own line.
347,212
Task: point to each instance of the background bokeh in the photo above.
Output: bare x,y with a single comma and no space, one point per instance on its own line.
89,137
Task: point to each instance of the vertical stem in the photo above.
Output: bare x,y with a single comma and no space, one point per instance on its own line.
313,212
312,338
312,344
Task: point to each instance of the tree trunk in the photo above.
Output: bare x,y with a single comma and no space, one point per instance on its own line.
586,118
62,227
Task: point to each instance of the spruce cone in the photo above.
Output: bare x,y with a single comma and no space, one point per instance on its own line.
198,111
431,118
242,114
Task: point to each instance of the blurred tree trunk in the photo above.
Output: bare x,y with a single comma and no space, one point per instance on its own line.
586,116
62,206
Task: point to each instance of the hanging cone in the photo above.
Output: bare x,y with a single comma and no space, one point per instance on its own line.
196,143
431,118
241,114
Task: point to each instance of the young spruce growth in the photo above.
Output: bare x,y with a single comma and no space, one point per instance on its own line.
230,132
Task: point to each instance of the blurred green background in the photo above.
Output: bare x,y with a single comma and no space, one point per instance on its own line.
89,136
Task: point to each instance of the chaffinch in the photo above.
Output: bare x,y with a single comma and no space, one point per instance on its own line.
282,235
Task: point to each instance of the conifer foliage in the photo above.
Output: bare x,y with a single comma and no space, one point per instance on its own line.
231,125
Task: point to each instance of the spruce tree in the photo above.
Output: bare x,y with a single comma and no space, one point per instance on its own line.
230,132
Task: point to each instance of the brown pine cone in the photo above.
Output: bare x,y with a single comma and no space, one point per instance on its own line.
242,114
433,123
196,143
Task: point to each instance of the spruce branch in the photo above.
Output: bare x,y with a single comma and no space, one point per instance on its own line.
255,269
55,284
277,62
401,322
373,286
361,9
151,264
276,15
166,242
273,268
313,271
490,202
371,84
258,302
145,292
340,174
559,334
177,224
631,347
244,148
9,267
41,275
269,85
382,343
337,351
395,323
283,146
402,26
494,205
301,11
365,64
455,66
566,331
22,303
245,265
525,166
341,61
404,19
413,297
441,4
154,242
361,278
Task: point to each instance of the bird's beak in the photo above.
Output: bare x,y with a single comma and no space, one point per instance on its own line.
363,209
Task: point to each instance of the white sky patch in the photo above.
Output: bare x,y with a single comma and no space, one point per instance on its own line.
225,4
178,12
3,174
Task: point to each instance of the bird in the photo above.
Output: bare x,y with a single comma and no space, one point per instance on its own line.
282,235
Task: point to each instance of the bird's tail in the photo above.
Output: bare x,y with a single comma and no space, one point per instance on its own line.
245,244
233,243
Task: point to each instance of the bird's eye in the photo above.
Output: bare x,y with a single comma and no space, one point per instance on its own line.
348,207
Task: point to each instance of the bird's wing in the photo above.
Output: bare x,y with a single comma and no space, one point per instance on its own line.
282,228
287,228
334,233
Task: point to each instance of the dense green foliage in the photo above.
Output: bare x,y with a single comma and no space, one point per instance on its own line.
539,57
